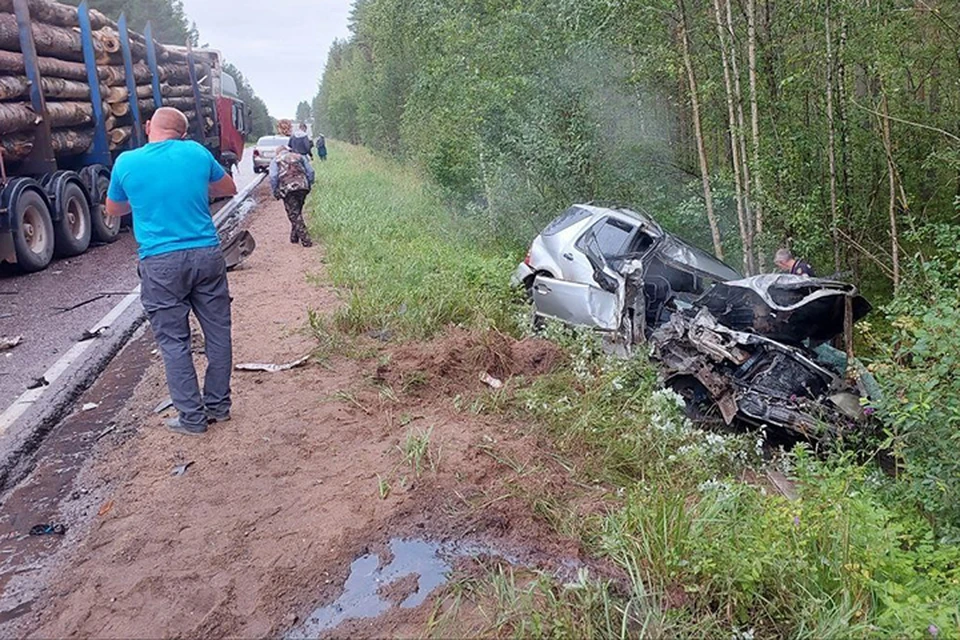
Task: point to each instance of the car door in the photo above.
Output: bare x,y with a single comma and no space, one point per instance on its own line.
583,304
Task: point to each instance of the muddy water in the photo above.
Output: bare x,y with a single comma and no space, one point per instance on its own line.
363,592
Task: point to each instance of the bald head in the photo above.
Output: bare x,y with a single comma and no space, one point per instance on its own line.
167,124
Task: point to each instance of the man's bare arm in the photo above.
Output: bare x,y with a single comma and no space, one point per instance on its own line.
225,187
117,209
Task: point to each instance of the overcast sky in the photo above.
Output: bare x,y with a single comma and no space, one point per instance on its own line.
280,45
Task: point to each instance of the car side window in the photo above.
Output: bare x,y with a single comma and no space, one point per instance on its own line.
613,234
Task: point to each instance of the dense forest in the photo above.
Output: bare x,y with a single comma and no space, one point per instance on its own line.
829,126
172,26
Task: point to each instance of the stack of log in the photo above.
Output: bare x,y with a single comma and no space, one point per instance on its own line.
66,87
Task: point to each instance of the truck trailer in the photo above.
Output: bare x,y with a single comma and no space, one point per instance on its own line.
75,91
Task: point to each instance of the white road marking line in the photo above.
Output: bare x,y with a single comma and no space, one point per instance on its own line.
30,397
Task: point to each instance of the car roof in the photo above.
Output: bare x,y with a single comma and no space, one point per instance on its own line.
272,138
622,213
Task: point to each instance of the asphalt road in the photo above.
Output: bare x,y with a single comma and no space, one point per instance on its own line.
34,305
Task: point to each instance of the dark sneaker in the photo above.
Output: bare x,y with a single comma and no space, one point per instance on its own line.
214,418
307,244
294,239
174,425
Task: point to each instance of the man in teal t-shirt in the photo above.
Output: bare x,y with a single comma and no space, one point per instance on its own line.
167,185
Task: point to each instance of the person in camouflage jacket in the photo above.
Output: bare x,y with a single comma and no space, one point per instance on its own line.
291,178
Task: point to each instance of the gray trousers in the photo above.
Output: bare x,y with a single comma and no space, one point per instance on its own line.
172,285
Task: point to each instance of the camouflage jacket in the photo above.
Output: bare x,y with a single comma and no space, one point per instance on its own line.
290,172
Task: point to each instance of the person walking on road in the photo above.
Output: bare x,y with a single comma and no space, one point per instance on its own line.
291,178
321,148
301,142
167,185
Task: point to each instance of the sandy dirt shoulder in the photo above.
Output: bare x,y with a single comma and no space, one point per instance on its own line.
263,526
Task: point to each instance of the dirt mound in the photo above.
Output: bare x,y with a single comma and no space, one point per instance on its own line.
455,362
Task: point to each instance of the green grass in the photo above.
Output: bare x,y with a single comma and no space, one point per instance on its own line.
405,262
700,552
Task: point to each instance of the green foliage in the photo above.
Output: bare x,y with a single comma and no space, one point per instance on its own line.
407,263
919,370
304,112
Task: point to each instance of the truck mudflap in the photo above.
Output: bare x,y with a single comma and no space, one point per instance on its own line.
7,251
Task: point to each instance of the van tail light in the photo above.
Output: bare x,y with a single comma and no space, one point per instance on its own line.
256,153
528,260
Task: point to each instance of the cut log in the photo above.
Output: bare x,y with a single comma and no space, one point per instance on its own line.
16,117
109,39
12,87
65,142
176,91
120,109
70,142
114,95
12,62
120,135
116,75
174,73
69,114
146,90
60,15
58,42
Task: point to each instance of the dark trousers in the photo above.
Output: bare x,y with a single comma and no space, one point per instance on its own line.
293,202
173,284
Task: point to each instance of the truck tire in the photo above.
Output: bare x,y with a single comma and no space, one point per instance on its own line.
73,230
105,228
33,239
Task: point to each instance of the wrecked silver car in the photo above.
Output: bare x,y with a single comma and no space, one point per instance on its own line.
751,351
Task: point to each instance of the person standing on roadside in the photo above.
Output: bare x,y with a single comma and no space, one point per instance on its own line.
787,263
167,185
291,178
301,142
321,148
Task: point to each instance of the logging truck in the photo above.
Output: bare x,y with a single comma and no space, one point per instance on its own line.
75,91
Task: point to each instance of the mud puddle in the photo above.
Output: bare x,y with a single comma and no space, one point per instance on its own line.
403,578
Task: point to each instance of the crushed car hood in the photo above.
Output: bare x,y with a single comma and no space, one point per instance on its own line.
787,308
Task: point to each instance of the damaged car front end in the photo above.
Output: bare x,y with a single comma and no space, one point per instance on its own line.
750,351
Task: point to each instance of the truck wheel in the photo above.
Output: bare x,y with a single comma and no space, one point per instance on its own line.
34,240
73,230
105,228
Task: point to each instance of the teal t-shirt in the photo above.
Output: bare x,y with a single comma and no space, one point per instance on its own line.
168,187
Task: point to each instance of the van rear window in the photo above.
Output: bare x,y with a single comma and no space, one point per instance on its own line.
567,219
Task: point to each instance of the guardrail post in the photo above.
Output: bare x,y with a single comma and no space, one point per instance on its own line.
152,63
99,153
42,158
137,138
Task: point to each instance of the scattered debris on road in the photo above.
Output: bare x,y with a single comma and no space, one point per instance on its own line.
165,404
49,530
273,368
490,381
91,335
90,406
106,508
181,469
10,343
37,383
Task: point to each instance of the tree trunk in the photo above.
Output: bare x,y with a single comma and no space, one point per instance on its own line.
734,147
146,90
698,132
12,62
12,87
58,42
16,117
892,182
847,200
176,91
757,195
831,146
69,114
741,139
174,74
120,135
120,109
115,75
65,142
109,40
60,15
113,95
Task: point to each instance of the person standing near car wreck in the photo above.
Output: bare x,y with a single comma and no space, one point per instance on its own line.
291,178
167,185
794,266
